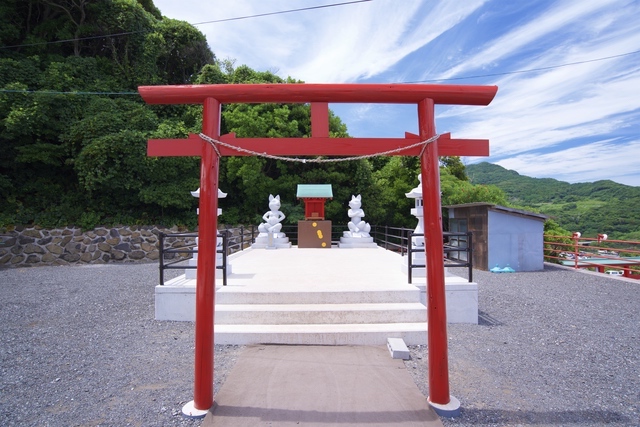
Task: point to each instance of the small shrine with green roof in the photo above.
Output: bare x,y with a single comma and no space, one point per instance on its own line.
314,197
314,231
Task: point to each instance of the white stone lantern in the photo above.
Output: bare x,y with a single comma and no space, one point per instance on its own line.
418,212
193,262
417,242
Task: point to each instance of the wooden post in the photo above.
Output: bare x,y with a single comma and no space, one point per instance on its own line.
206,273
436,301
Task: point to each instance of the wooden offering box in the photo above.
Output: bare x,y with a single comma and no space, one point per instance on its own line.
314,234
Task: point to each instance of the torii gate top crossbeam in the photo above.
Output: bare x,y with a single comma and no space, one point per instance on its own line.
334,93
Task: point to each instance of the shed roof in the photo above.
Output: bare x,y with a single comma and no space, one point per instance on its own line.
491,206
314,190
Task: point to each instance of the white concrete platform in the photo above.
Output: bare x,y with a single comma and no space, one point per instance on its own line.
307,296
462,295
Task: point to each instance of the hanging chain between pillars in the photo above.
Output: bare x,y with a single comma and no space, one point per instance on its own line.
215,142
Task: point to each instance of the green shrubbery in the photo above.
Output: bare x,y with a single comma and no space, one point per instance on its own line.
73,130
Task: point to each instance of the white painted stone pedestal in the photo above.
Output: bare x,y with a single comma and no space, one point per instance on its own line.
449,410
356,242
271,241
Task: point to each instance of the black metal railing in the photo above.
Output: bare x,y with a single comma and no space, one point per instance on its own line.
448,249
188,249
240,238
391,238
454,247
396,239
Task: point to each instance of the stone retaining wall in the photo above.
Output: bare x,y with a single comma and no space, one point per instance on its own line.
24,246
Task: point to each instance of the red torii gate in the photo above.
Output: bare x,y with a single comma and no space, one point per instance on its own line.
319,144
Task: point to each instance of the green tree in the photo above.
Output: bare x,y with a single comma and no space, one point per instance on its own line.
249,180
175,52
396,178
67,157
455,167
455,191
556,241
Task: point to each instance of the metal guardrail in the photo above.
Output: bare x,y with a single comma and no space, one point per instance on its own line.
234,239
468,249
449,262
241,238
604,255
190,249
399,240
396,239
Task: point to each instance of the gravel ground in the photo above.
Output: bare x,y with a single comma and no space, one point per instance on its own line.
79,346
557,347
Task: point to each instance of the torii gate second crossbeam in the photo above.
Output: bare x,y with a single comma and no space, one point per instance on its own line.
319,96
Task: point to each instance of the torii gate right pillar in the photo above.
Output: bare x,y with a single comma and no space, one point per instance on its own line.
439,396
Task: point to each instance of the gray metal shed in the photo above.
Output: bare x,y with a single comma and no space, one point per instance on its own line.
501,236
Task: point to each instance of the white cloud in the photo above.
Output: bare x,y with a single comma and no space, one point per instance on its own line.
608,159
545,109
554,19
530,119
337,44
535,113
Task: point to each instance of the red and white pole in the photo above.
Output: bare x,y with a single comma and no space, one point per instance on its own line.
206,272
439,396
576,245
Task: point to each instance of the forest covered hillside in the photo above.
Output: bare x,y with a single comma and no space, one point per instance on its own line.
588,207
74,130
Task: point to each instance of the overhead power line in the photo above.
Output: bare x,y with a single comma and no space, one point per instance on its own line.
281,12
529,70
57,92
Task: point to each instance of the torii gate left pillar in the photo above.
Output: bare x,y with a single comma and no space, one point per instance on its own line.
206,272
424,96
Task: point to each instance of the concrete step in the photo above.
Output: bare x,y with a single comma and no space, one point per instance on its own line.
287,314
334,334
347,296
321,297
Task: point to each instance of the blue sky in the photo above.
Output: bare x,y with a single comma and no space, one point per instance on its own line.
576,119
